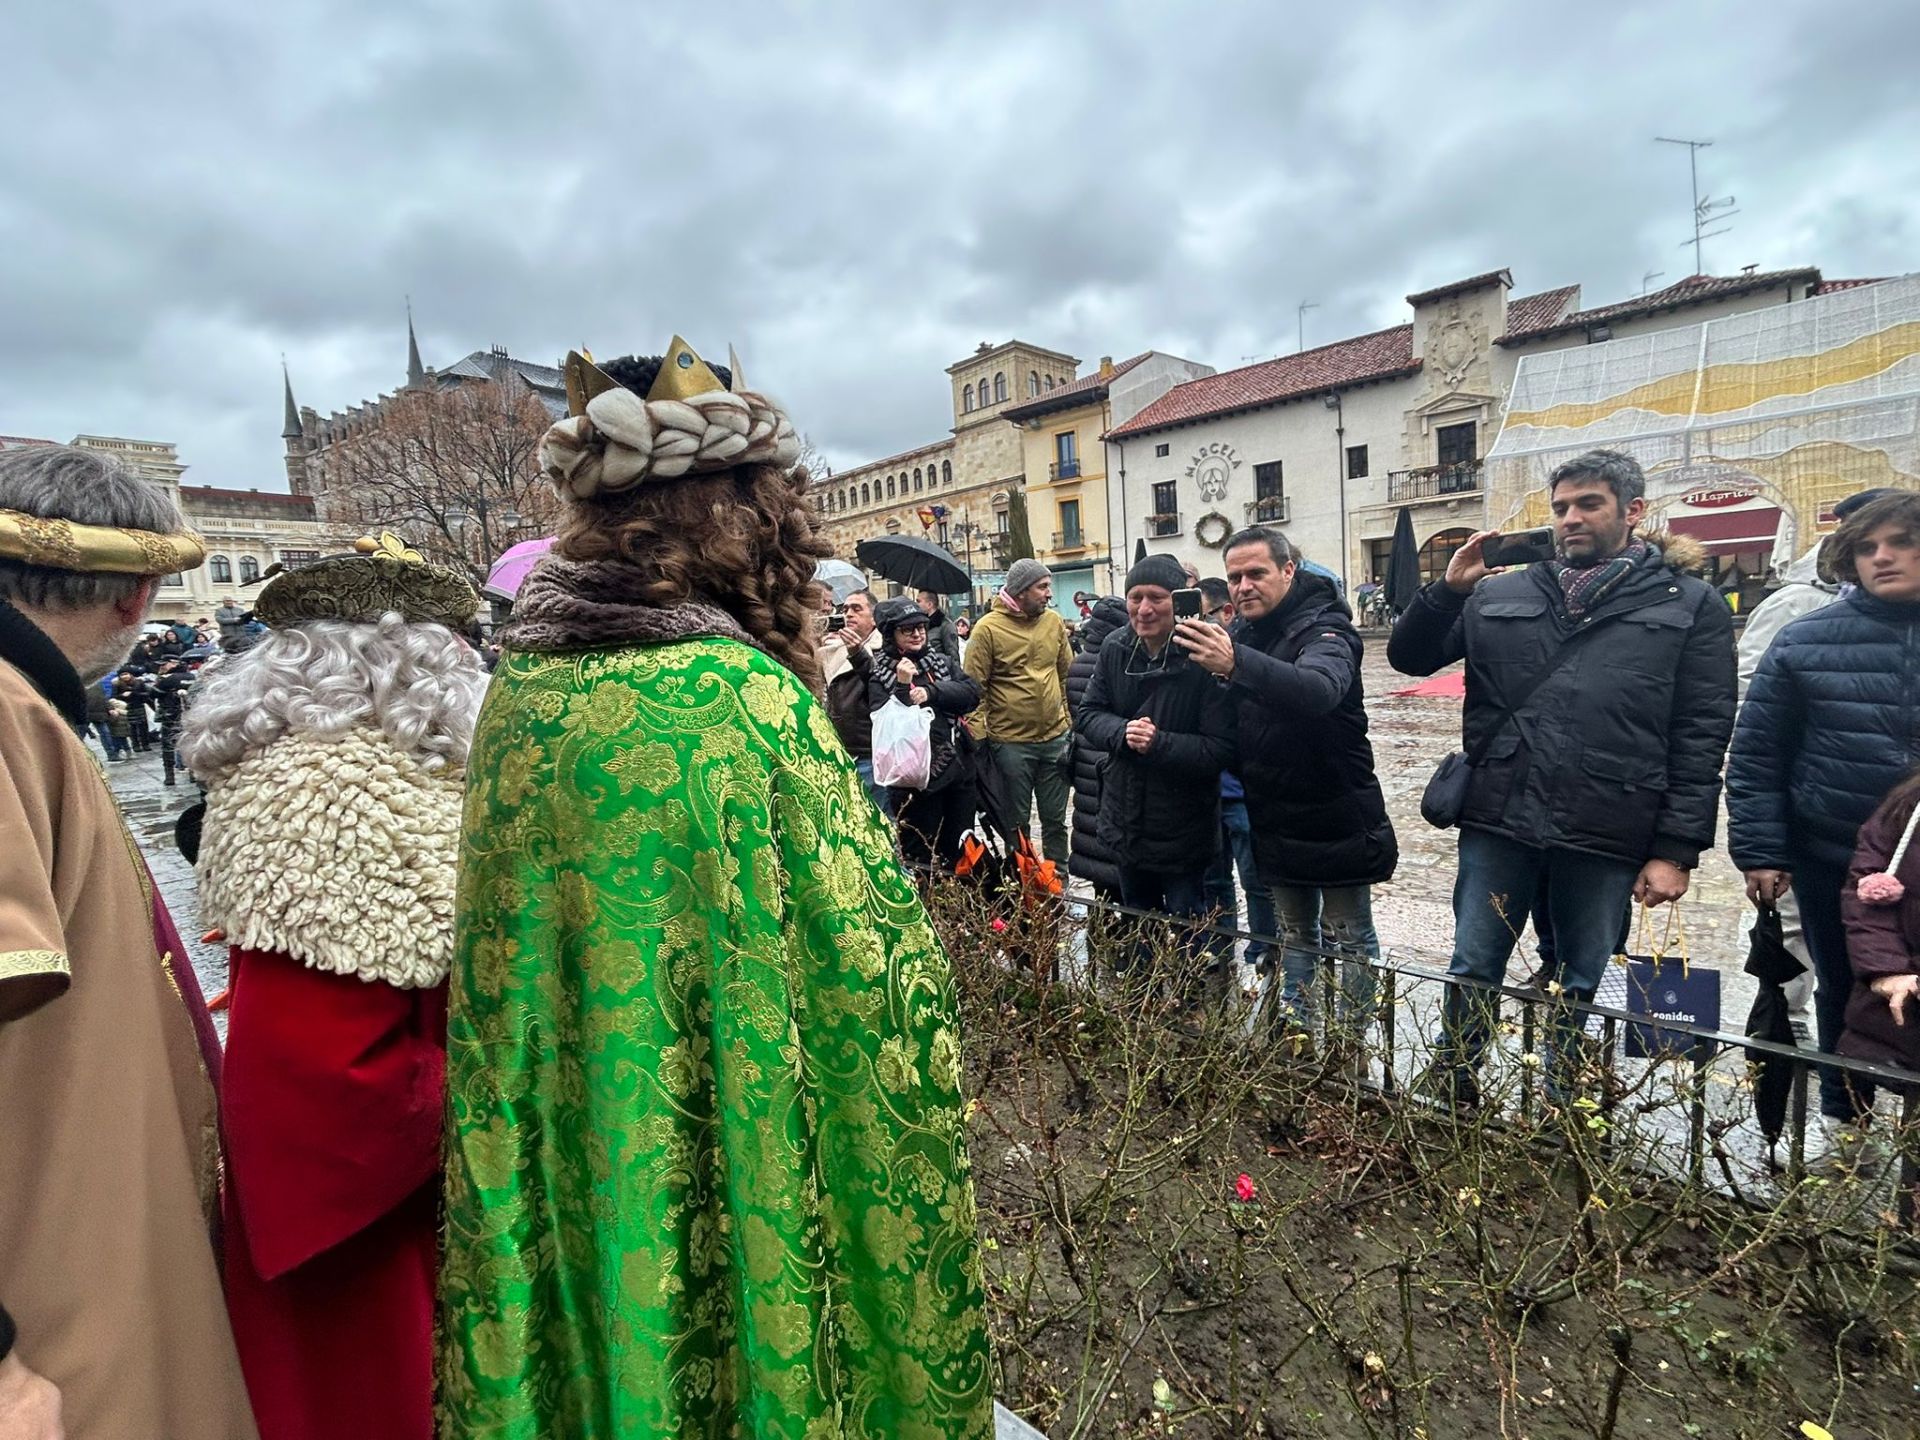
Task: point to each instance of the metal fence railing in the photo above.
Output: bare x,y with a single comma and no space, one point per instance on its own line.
1698,1104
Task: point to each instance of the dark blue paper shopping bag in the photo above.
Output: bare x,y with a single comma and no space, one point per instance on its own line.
1668,989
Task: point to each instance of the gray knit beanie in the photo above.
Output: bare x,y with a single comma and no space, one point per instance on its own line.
1023,575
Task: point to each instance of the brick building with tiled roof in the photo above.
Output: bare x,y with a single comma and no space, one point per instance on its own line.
1332,442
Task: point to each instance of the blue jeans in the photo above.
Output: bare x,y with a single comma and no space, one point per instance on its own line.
1236,854
1337,920
104,733
882,796
1184,897
1496,887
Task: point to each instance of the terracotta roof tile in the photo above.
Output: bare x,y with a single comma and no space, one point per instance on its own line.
1536,312
1378,356
1458,287
1691,291
209,493
1087,387
1827,287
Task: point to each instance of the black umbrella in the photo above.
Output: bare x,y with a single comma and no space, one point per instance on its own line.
1403,563
1772,964
915,563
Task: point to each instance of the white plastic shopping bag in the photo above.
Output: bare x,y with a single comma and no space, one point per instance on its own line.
902,745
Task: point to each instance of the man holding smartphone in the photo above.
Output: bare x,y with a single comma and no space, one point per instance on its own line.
1600,698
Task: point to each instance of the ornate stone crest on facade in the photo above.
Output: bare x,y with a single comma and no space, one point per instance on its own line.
1211,469
1453,346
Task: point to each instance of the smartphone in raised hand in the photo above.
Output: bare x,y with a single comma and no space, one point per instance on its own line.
1186,604
1522,547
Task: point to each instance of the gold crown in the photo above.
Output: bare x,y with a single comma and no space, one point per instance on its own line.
683,375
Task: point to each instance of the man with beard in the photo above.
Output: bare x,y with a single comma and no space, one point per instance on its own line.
107,1061
1600,699
1019,655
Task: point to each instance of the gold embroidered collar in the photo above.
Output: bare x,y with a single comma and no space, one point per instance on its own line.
97,549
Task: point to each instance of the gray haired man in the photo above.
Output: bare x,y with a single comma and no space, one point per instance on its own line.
106,1265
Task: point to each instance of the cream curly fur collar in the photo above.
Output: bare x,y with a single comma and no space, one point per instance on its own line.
339,851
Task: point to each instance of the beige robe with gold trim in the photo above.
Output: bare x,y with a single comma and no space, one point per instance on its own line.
107,1157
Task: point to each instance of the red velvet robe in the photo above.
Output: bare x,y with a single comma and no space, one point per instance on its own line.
331,1102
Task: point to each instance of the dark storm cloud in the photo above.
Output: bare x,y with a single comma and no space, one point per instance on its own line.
856,195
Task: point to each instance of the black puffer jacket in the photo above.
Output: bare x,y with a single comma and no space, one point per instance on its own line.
1313,804
951,693
1092,859
1159,809
1831,724
1618,753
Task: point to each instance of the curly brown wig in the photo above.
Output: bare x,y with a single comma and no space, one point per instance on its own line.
742,539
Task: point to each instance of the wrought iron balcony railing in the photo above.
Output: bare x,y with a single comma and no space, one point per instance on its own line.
1064,470
1069,540
1168,524
1271,511
1430,481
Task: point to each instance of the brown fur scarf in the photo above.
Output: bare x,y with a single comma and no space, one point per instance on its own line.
589,605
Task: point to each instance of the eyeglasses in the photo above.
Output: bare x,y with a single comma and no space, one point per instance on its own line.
1215,613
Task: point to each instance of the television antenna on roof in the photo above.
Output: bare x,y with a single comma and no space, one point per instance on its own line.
1706,211
1300,316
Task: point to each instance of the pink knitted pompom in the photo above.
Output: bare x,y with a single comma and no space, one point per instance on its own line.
1881,889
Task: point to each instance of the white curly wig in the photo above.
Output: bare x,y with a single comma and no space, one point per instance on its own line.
421,685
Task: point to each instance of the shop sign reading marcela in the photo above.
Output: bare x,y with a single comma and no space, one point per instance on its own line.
1211,469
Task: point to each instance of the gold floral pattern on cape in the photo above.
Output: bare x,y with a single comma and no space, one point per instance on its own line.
707,1172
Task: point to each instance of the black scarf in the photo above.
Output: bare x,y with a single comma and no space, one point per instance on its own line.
26,647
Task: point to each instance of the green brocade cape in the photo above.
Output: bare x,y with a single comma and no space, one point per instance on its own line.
707,1172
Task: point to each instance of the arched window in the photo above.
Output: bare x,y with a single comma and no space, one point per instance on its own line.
249,569
946,472
890,487
864,497
843,499
1438,550
221,569
1049,382
966,402
1033,382
999,386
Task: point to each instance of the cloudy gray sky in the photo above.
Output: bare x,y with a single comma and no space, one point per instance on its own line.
856,194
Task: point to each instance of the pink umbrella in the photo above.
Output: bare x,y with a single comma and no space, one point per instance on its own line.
509,572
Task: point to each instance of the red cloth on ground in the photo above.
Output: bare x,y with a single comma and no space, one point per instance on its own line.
331,1102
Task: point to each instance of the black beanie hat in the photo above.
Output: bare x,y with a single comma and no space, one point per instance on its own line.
1161,570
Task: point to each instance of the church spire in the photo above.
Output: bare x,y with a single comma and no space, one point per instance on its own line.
291,429
416,372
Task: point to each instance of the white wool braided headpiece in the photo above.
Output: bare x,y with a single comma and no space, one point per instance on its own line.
623,440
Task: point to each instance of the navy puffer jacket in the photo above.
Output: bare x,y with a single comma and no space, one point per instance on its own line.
1831,724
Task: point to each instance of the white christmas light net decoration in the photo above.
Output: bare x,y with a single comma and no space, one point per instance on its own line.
1806,403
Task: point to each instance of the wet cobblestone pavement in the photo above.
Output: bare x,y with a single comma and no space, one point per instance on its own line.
151,808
